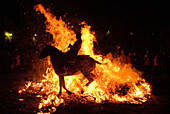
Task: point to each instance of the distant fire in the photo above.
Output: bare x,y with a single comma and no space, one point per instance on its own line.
113,82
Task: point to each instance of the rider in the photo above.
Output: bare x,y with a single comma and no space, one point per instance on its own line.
72,53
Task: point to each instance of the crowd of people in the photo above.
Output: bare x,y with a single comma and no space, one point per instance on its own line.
149,62
155,63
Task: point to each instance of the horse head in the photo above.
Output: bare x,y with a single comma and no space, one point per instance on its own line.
45,52
49,50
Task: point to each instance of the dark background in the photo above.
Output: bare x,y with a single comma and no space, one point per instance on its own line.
148,21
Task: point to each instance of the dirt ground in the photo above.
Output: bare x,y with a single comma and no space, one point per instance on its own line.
10,83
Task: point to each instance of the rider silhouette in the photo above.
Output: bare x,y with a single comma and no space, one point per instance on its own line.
72,53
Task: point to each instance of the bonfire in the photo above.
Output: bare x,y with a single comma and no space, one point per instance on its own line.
113,82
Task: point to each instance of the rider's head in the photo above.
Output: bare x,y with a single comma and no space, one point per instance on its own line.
78,35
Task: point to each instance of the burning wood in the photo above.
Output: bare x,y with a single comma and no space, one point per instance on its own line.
113,82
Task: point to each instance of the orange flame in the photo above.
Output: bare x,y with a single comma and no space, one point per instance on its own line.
113,82
62,34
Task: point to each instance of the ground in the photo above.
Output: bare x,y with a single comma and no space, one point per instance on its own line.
10,83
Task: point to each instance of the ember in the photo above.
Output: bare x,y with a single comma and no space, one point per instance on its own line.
113,82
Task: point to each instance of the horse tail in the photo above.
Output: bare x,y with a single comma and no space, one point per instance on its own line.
97,61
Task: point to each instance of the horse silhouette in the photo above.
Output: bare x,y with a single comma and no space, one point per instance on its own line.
83,64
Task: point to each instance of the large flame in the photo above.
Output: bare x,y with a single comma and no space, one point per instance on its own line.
113,82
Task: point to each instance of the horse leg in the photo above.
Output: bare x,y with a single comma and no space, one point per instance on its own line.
68,92
90,81
62,84
61,78
88,76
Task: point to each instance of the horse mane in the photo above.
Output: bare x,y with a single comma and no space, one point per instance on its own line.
53,49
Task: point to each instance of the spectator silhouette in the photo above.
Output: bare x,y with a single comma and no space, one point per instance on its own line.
133,61
155,69
146,64
122,57
129,58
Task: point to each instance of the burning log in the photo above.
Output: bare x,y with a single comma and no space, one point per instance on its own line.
122,90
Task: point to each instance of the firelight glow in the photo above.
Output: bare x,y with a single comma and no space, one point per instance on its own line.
113,81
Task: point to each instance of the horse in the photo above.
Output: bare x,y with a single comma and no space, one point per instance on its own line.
83,64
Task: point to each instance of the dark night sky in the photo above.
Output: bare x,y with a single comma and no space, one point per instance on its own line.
136,13
118,16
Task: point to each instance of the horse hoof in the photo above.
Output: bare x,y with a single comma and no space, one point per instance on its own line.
82,91
68,92
59,95
88,84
